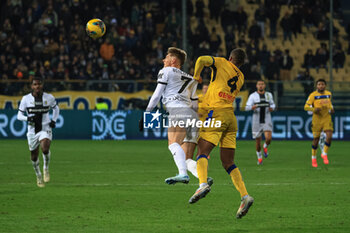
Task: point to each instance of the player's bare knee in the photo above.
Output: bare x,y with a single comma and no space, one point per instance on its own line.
34,155
226,165
45,151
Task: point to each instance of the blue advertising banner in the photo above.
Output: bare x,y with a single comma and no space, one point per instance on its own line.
123,125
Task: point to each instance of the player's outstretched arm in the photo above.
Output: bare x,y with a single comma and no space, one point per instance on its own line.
200,63
155,97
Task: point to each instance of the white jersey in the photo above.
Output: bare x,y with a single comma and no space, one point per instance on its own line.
261,114
180,88
39,109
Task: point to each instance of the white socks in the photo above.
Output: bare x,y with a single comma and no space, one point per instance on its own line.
313,157
46,158
258,154
36,167
265,145
192,167
179,157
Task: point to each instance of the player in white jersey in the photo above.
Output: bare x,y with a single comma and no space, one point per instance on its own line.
262,104
36,105
178,90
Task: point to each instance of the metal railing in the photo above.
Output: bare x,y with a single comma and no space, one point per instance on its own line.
287,94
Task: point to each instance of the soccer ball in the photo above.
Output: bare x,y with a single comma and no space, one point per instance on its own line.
95,28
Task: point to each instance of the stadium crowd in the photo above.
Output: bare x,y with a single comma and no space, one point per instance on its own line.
48,39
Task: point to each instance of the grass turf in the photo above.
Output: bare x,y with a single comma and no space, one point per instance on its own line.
118,186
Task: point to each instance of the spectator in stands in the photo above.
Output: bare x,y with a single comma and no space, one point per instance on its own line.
230,39
241,42
264,57
260,18
241,19
228,15
286,64
204,48
321,57
322,32
38,31
252,51
203,31
255,31
215,7
107,50
308,18
214,40
287,25
297,18
307,82
130,41
272,73
252,77
338,58
308,60
273,15
199,9
173,22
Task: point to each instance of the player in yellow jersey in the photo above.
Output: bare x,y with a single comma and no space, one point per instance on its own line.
319,102
226,81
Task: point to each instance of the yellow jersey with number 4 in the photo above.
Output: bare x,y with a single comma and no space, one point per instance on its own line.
226,81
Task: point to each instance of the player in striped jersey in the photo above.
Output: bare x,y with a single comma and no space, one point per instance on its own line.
261,103
34,108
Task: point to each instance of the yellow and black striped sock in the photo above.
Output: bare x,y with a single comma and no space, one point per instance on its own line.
237,180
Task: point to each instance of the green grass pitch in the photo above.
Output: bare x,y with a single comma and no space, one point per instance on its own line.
118,186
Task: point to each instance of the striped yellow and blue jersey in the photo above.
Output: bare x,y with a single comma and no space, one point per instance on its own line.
319,100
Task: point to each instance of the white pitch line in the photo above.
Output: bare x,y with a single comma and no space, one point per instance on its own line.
163,184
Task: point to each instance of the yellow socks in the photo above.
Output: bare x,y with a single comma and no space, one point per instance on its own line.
237,180
325,148
202,168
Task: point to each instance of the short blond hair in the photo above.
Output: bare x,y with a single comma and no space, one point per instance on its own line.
178,53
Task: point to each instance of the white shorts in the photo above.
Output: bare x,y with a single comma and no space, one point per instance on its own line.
183,114
34,139
258,129
192,135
